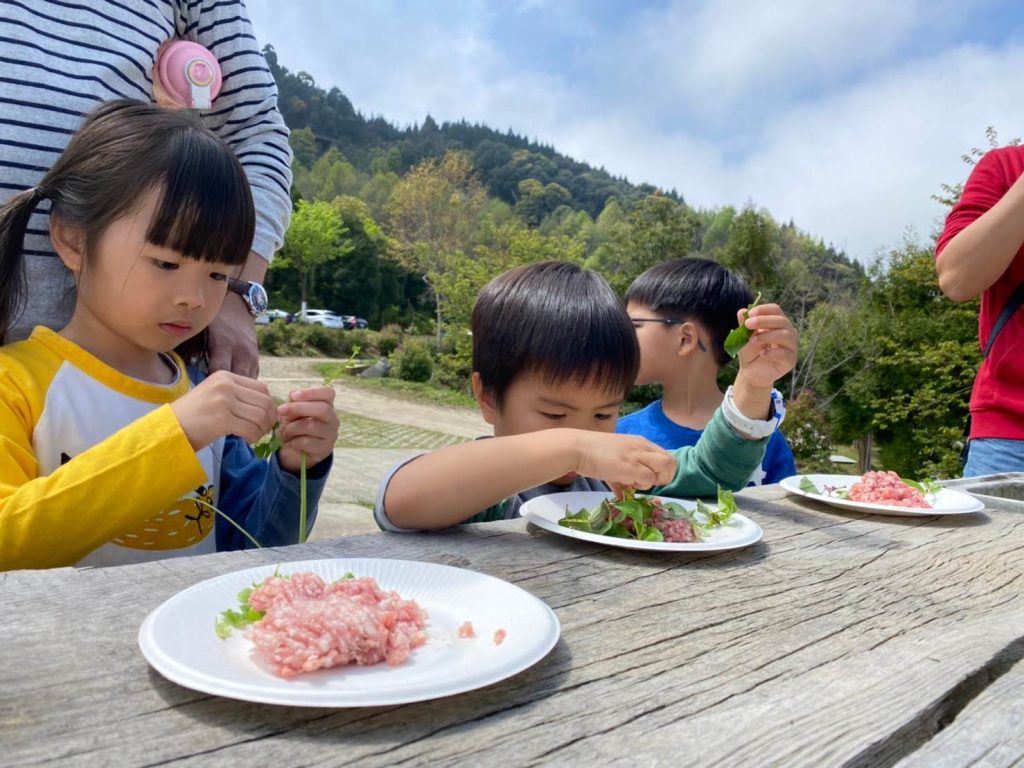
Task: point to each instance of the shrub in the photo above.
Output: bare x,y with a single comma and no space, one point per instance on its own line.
301,339
455,363
389,339
365,340
807,433
413,361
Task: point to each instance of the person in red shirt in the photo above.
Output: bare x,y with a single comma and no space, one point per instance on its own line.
981,252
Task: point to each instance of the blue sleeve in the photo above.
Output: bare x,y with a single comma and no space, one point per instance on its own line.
263,498
778,461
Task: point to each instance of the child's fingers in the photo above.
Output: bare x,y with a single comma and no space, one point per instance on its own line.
313,409
777,338
325,394
308,427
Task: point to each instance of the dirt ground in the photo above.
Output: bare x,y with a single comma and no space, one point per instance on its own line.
377,431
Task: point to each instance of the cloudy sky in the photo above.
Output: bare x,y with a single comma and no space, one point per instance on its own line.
844,115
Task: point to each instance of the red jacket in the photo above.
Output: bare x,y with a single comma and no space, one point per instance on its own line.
997,401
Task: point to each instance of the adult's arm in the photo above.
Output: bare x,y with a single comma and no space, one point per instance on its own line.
245,115
983,232
245,112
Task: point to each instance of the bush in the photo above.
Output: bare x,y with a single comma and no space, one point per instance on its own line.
455,363
413,361
389,339
807,433
365,340
302,340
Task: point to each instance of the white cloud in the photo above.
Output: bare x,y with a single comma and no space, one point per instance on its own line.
817,116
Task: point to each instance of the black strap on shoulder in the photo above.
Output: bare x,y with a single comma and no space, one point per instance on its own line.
1016,298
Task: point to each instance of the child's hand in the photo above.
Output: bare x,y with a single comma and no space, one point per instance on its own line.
628,461
225,404
308,424
771,351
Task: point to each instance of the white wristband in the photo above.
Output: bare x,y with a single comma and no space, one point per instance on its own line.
755,429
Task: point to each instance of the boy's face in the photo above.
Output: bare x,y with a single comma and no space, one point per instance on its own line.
662,345
532,404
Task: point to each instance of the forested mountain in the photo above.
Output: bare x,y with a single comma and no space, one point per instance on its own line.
502,160
405,225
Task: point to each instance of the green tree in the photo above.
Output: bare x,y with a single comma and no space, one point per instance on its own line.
658,228
330,176
315,237
303,144
434,216
751,250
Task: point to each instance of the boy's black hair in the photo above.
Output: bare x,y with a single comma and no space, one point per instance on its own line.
694,289
557,319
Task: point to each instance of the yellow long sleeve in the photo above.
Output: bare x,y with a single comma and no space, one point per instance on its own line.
112,487
86,455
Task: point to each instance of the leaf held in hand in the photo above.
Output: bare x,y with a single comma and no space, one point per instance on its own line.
269,445
738,337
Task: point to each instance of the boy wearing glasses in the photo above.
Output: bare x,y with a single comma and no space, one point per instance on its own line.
554,355
682,311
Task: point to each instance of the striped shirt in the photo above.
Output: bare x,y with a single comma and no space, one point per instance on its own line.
59,59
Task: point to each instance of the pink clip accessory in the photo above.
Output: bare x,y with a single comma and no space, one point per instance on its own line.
185,75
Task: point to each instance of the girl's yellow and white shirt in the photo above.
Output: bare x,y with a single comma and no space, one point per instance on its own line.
95,468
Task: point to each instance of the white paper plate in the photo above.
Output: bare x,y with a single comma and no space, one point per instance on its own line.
945,502
178,639
546,511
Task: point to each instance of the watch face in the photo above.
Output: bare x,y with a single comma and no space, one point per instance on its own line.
257,298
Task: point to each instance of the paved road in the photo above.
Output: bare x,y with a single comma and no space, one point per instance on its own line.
377,430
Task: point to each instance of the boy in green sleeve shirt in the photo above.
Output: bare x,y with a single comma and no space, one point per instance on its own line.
554,354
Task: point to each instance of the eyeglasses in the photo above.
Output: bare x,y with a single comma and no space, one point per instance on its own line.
669,321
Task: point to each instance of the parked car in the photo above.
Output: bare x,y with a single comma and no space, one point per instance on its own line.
265,318
323,317
351,322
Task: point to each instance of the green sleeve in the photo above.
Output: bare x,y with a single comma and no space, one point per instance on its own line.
489,515
720,458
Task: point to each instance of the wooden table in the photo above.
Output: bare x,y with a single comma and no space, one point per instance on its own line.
840,639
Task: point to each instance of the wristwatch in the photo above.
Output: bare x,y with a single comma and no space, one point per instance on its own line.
252,294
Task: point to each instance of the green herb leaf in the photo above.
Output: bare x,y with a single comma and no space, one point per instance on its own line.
270,444
739,336
924,486
650,533
231,619
807,486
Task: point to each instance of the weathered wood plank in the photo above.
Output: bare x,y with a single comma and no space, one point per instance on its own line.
988,731
839,639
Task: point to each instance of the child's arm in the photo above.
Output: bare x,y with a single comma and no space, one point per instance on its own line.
722,457
117,484
451,485
769,355
725,455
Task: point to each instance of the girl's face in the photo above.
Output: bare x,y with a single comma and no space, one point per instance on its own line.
136,299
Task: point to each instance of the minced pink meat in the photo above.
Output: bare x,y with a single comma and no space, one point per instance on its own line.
673,530
466,629
887,488
311,625
499,636
680,530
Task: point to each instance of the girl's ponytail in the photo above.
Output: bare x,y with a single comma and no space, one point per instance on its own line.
14,216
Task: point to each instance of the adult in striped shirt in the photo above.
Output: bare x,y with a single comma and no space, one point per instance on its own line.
59,59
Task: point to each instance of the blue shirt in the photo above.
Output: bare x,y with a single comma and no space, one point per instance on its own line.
652,423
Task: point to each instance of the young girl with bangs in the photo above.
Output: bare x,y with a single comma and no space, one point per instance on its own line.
109,454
